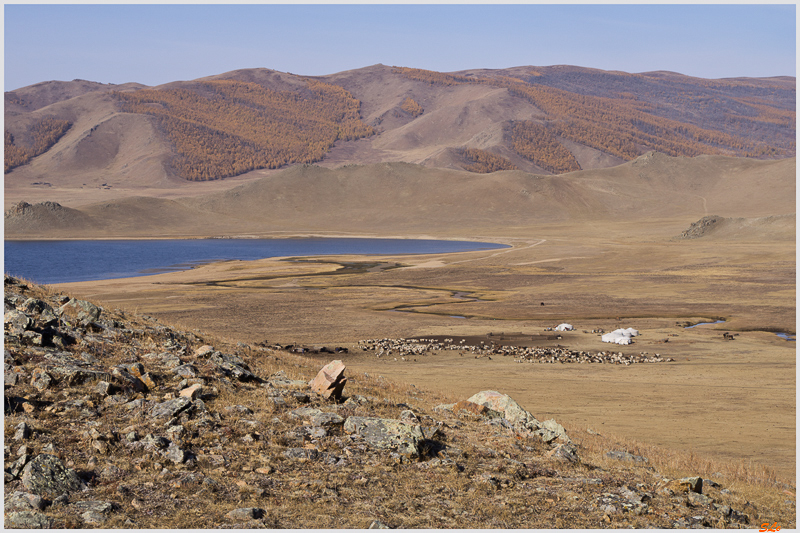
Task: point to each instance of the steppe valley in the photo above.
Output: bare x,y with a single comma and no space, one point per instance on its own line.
650,241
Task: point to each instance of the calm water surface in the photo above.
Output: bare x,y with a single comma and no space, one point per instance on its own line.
68,261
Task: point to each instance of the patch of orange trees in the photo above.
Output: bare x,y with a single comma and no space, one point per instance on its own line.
535,142
624,127
484,162
411,107
224,128
44,134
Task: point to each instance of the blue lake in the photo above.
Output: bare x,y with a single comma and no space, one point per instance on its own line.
67,261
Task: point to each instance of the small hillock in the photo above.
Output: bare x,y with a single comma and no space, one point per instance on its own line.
115,420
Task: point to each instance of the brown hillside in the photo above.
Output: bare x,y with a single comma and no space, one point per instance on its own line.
597,118
397,198
43,94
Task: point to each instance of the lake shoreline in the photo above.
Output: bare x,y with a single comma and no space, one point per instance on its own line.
97,260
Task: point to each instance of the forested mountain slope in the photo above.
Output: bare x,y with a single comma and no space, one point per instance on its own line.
546,120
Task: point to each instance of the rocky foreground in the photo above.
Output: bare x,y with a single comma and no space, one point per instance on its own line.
113,420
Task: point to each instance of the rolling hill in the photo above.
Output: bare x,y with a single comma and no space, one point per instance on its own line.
546,120
404,198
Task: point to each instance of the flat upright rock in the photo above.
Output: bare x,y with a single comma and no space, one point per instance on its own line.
330,381
46,475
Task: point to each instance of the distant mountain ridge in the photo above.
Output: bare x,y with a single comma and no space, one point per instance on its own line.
545,120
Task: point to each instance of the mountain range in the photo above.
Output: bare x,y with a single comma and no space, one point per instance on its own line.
543,120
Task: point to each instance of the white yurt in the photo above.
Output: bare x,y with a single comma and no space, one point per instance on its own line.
620,336
564,327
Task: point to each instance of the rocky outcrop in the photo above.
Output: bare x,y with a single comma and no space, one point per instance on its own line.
382,433
46,475
702,227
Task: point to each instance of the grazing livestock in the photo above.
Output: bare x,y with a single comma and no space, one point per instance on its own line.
521,354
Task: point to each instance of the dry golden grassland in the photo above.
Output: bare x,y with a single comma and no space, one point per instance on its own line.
485,476
731,401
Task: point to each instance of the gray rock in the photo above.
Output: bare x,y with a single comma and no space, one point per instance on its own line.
327,420
33,337
23,501
301,453
695,483
377,524
17,466
557,429
278,402
386,433
170,408
503,403
564,452
16,322
10,379
305,412
23,431
41,380
103,388
155,441
26,520
625,456
187,371
356,400
175,454
409,416
79,312
232,366
93,517
72,371
287,384
97,506
697,499
129,380
241,409
46,475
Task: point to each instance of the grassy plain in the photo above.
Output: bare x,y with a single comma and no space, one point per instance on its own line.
728,400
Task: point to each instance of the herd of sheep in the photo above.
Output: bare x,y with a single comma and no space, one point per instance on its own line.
404,348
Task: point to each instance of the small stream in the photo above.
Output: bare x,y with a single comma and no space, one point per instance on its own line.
704,324
785,336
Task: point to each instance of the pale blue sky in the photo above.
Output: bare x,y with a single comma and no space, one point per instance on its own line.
155,44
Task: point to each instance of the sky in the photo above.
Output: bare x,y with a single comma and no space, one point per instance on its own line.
154,44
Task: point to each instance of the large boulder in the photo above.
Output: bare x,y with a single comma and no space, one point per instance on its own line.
387,434
79,312
503,403
330,381
46,475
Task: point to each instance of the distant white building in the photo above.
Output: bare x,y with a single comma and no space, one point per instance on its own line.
564,327
621,336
